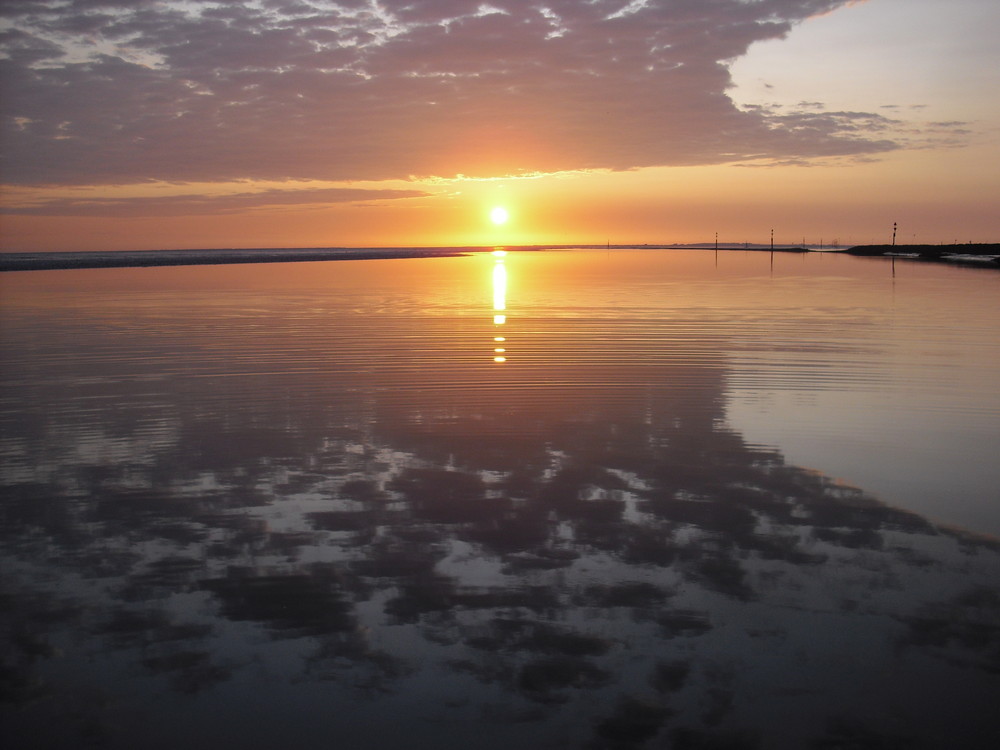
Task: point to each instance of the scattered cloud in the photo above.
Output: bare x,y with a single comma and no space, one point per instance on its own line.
195,204
106,92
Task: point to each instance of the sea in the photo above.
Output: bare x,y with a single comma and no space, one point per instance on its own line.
563,498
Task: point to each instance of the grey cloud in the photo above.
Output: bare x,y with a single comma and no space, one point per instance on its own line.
24,49
339,91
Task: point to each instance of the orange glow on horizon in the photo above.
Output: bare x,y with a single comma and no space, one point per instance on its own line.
855,205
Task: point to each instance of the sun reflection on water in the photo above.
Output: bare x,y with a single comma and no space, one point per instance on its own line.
499,302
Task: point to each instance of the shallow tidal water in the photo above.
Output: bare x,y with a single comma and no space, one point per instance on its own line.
577,499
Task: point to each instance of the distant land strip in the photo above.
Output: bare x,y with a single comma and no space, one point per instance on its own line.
52,261
144,258
984,254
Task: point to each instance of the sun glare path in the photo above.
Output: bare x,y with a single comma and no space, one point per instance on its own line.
499,215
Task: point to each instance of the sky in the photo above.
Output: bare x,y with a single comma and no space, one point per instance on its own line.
167,124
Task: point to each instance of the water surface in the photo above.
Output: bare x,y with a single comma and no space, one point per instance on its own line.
559,499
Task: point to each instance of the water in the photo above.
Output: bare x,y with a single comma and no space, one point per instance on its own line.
695,499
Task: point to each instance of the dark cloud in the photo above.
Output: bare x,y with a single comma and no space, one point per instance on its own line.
114,92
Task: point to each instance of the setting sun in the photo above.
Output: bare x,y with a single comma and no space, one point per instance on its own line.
499,215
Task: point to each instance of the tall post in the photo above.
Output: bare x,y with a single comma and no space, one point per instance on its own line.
772,240
894,234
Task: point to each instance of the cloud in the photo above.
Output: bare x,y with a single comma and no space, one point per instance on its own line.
194,204
102,92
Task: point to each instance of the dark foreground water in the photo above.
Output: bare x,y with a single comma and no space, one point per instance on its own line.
567,500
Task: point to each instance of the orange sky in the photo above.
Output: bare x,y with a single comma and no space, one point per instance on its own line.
176,125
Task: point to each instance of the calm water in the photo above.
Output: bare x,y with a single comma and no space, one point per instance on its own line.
562,499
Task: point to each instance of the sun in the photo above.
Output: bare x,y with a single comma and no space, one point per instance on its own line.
499,215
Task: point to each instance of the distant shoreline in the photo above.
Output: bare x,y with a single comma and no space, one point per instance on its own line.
983,255
150,258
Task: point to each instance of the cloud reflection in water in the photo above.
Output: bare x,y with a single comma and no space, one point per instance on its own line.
543,554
